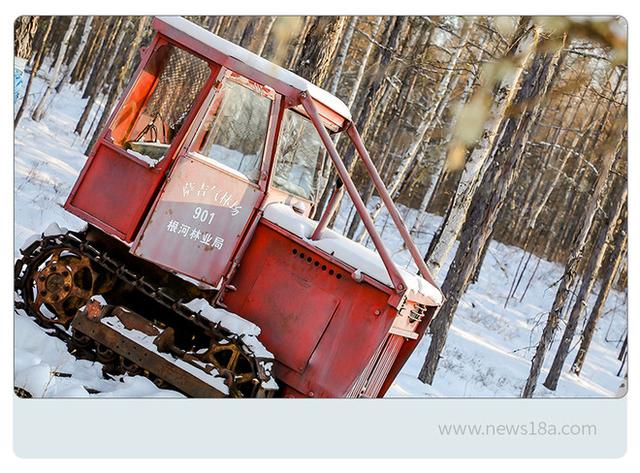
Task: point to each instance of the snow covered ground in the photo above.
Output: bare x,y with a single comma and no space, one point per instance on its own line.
488,351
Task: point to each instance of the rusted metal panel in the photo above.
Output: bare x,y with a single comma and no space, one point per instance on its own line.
115,190
281,263
198,220
146,359
407,348
288,322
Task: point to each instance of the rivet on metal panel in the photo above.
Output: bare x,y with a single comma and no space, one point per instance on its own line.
377,312
311,394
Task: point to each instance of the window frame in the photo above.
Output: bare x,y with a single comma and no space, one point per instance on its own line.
297,109
213,99
181,136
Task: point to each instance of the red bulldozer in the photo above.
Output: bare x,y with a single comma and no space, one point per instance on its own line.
200,266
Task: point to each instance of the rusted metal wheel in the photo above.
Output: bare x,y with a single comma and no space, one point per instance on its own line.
233,365
21,392
57,284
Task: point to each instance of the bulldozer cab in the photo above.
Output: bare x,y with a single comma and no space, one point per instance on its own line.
210,167
225,140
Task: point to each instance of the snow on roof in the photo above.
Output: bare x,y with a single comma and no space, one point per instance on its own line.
354,254
258,63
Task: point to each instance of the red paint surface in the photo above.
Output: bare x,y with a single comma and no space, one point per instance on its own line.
115,188
320,324
198,220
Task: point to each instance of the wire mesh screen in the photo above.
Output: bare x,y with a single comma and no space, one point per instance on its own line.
182,78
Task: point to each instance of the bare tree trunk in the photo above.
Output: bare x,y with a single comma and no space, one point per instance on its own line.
387,112
506,89
589,277
608,280
338,67
40,110
76,56
440,160
249,32
379,92
25,28
570,272
89,54
100,71
442,95
319,48
111,37
341,56
297,51
364,61
488,201
266,31
577,147
363,116
419,41
123,73
37,62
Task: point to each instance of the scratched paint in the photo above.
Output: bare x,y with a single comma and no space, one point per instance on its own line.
198,220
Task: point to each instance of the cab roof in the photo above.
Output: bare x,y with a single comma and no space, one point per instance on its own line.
222,51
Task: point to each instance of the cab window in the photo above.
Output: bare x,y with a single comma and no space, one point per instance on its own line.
159,102
234,129
299,156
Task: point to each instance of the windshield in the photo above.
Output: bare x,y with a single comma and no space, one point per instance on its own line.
235,129
299,156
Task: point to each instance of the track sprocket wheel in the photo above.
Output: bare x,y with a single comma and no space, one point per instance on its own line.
232,364
57,284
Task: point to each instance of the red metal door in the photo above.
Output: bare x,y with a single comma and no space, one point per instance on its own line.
114,190
198,220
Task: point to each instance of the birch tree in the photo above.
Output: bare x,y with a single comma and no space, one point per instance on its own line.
35,67
40,109
504,80
101,69
442,95
489,198
266,32
590,273
76,57
370,94
441,157
570,270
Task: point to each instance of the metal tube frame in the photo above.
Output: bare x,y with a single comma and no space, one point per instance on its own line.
332,205
396,279
388,203
354,136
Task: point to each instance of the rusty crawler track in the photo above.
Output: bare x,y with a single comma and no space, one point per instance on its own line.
36,261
